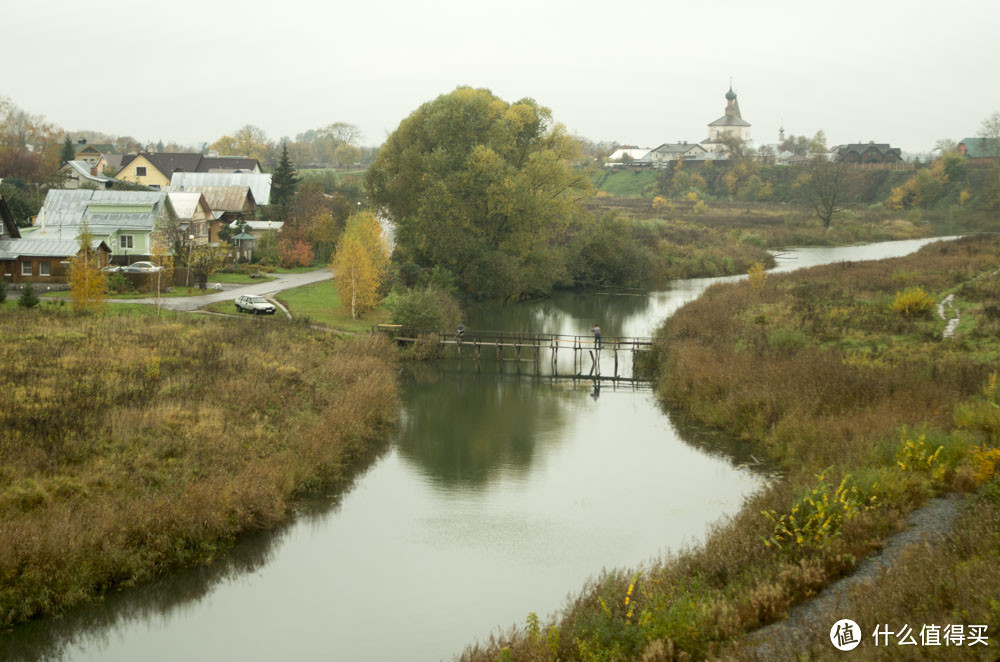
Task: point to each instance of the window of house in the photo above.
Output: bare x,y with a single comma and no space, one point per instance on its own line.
125,241
140,171
26,268
43,269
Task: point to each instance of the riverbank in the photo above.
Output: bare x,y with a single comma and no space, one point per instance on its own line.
133,445
869,412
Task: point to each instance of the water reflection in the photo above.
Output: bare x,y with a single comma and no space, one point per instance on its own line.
571,313
502,493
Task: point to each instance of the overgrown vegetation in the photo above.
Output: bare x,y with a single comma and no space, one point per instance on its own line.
867,411
131,445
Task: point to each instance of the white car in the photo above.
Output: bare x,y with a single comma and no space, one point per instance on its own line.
141,267
254,305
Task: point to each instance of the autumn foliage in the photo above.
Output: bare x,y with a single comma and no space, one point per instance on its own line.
361,264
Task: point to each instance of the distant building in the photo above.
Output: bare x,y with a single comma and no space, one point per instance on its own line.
979,149
672,151
77,173
156,170
633,154
730,124
91,154
37,260
870,152
124,220
259,183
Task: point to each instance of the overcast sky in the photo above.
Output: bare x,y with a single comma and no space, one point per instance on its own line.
640,72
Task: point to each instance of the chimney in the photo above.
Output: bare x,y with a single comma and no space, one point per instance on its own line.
93,170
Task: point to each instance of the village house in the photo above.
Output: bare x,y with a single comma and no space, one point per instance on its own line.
672,151
228,204
257,229
109,164
260,184
156,170
870,152
194,215
78,173
90,154
124,220
38,260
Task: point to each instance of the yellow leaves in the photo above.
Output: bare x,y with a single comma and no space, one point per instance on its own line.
692,196
817,516
361,264
913,302
916,455
87,283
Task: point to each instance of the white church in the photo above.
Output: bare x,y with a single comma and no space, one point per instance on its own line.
730,124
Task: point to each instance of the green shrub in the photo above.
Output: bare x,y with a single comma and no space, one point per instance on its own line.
425,308
28,298
119,284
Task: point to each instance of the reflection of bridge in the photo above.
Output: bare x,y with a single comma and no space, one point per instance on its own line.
529,347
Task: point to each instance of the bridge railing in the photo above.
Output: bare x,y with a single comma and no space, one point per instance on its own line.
537,339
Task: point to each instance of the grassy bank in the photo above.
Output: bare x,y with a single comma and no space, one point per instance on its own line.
131,445
320,304
868,412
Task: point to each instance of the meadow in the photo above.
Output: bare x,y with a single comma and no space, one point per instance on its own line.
841,377
131,444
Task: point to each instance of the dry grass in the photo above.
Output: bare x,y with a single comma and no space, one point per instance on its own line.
817,370
131,446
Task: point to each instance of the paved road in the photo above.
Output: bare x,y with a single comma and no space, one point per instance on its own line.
281,282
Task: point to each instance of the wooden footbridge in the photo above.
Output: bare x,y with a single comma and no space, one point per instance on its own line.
619,352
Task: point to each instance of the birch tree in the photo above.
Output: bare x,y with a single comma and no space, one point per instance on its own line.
361,264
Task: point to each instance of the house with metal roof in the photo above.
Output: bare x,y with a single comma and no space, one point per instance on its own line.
156,169
124,220
193,213
228,204
673,151
78,173
37,260
260,184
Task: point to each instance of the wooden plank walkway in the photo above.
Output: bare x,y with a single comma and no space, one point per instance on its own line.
501,344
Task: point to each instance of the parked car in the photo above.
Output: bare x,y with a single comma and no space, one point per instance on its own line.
254,305
141,268
111,268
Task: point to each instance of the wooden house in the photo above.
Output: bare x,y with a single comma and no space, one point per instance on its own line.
38,260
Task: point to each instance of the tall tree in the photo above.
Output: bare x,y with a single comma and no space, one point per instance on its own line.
250,141
989,131
68,153
827,187
483,188
283,181
361,264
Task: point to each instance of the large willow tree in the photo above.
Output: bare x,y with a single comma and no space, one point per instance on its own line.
484,188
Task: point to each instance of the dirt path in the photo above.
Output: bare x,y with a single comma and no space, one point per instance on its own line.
951,316
811,619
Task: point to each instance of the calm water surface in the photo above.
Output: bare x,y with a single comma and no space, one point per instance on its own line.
502,494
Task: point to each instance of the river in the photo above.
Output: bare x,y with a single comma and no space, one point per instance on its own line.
501,495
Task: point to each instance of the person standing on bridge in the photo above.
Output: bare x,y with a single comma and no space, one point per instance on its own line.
596,330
